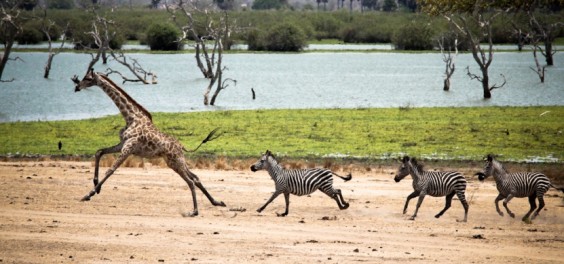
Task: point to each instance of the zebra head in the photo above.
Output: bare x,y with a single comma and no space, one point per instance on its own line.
263,162
492,166
403,169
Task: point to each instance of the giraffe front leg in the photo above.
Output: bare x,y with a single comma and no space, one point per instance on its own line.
99,154
109,173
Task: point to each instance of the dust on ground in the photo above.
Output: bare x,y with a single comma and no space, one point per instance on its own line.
137,217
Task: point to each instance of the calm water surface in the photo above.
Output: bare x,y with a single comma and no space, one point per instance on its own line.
306,80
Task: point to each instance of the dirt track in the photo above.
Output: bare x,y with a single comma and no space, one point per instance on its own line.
137,218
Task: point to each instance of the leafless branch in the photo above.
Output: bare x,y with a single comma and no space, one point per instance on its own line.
499,86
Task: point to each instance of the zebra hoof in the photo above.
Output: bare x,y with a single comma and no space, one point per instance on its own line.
527,221
190,214
345,206
437,216
282,214
85,198
222,204
412,218
512,215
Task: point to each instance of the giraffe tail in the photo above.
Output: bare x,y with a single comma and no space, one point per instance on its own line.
209,138
346,178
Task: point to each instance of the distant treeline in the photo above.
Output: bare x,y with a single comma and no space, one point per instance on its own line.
418,30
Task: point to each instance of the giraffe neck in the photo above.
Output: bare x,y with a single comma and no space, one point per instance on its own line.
129,108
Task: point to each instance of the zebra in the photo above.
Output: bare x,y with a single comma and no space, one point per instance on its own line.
432,183
298,182
521,184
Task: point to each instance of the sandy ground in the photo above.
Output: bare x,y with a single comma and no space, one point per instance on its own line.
137,218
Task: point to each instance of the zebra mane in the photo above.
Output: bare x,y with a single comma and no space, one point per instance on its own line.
498,165
418,166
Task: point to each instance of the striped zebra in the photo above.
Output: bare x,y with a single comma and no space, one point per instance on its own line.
298,182
521,184
432,183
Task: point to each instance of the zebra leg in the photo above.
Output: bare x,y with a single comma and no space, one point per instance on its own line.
409,197
541,205
448,201
342,205
336,195
287,199
419,202
462,199
109,173
505,202
274,195
497,199
533,204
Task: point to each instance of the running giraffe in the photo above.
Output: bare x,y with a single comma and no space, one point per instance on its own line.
140,137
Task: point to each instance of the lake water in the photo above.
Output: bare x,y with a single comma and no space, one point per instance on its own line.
299,80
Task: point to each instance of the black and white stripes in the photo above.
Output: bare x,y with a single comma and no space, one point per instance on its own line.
299,182
432,183
523,184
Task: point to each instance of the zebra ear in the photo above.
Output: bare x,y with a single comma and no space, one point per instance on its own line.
414,161
490,157
405,159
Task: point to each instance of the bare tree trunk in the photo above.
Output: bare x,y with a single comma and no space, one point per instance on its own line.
5,56
549,53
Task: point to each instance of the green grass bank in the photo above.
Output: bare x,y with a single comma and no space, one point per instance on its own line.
513,133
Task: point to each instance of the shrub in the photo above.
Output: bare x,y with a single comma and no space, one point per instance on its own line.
285,37
413,36
163,36
29,35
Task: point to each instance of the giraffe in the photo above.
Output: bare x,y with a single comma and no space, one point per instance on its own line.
140,137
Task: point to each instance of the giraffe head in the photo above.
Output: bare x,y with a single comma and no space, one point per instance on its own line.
90,79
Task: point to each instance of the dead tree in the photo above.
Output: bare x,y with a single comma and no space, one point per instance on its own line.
102,35
209,36
448,58
547,33
10,28
482,56
46,27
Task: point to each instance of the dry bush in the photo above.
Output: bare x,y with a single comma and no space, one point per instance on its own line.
221,164
158,162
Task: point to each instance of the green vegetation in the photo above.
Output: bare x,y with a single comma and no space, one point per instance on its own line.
163,36
514,133
366,27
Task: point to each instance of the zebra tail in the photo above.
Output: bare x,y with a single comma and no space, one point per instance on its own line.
560,188
347,178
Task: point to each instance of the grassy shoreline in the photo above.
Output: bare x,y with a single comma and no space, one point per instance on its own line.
519,134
